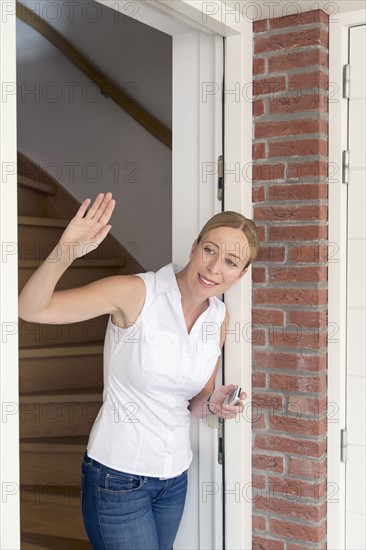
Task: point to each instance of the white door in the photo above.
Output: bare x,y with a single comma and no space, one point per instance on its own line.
356,305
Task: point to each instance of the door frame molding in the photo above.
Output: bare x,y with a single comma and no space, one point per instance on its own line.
337,273
238,141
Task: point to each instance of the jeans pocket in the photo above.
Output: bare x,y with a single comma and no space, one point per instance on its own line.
120,483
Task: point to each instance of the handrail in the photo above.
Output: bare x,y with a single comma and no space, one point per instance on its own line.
123,99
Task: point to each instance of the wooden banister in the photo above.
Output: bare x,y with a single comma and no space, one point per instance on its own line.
107,86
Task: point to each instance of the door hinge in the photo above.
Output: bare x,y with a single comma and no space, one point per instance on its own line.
346,80
220,180
343,445
345,166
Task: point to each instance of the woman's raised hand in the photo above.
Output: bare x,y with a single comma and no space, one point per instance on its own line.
86,231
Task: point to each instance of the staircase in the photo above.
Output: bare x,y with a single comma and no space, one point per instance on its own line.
60,371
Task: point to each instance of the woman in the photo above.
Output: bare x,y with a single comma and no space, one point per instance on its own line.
161,355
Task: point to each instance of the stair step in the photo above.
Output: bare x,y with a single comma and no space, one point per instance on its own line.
54,414
43,463
37,334
52,510
64,351
54,444
36,221
72,395
33,541
46,368
79,263
36,185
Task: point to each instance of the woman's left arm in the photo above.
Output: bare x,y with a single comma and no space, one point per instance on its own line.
198,405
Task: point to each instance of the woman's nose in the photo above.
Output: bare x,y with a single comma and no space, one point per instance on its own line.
214,264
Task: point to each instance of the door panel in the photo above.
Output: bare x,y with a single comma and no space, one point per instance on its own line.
356,311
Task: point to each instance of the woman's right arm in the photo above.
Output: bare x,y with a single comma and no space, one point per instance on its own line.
40,303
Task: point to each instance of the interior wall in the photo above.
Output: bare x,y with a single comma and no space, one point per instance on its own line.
84,139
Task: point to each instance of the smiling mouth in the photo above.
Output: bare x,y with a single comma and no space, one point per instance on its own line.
206,282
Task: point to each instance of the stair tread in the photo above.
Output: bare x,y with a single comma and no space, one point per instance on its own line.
74,395
42,221
62,351
55,543
36,185
37,442
80,262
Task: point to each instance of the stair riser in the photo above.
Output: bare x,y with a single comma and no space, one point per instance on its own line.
57,419
53,373
36,334
32,203
51,468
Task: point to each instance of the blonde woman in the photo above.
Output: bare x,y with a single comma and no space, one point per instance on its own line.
162,346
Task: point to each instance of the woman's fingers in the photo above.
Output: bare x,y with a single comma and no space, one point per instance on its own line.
84,205
105,216
99,206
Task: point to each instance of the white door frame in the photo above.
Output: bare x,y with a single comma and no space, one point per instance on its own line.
209,17
338,130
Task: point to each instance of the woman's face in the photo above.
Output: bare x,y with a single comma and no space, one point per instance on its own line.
219,258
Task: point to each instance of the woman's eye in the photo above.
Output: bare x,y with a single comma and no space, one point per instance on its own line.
208,249
231,263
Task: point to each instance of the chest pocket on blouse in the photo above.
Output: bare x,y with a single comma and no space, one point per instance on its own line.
211,347
160,354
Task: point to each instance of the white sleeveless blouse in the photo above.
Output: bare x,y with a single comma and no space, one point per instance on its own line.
151,371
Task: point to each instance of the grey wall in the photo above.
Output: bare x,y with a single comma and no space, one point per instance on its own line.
84,139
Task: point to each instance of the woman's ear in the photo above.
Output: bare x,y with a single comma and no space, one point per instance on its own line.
193,248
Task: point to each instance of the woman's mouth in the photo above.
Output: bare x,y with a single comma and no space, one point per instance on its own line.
206,282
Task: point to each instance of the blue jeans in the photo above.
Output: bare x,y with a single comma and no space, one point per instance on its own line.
124,511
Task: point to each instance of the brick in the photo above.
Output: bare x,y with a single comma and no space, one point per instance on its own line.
308,318
259,543
259,422
292,336
259,379
260,26
268,253
268,172
308,253
309,81
265,400
268,316
258,107
299,18
268,462
314,169
286,128
316,57
298,103
269,85
290,40
301,232
258,66
291,445
304,274
261,230
291,361
259,150
285,296
300,147
258,337
296,192
298,530
291,508
259,481
298,488
308,384
314,406
314,469
297,425
291,212
258,194
259,523
258,274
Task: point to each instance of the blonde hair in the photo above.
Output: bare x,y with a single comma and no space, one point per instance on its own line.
235,220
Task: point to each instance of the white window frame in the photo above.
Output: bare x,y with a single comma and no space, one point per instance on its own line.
238,142
337,311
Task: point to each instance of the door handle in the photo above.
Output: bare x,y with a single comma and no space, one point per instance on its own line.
217,422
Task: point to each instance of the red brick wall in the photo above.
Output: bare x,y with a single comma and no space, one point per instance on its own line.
290,281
